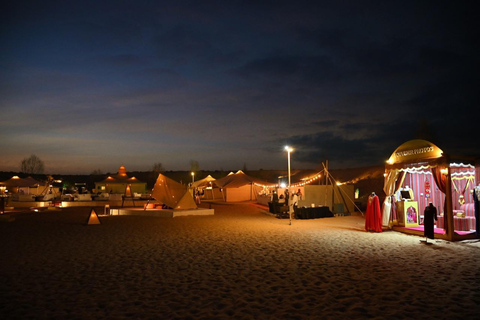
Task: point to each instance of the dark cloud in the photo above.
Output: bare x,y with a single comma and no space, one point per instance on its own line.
219,82
122,60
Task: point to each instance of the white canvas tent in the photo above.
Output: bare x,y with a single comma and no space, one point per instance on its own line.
205,182
24,186
239,186
209,191
172,194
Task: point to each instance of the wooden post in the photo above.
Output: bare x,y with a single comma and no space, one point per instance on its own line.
448,215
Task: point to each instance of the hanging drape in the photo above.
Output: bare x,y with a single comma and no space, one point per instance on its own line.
393,181
441,182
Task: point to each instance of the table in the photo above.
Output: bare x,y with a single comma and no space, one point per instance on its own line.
313,213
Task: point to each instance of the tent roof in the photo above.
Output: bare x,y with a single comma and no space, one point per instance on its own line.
172,194
415,150
203,182
238,179
120,177
15,182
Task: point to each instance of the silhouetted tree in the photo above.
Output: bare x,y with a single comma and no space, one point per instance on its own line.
158,167
32,165
97,172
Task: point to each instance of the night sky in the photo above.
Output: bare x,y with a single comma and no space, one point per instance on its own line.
89,85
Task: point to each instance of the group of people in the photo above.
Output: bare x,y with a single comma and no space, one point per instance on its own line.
289,199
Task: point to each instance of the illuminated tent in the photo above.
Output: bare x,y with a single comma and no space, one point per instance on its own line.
434,178
240,187
118,183
207,188
205,182
17,184
172,194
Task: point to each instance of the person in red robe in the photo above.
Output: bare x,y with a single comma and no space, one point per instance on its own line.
373,216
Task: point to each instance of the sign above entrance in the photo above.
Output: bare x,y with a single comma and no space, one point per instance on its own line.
415,150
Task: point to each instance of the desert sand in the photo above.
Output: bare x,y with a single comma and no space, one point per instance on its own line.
240,263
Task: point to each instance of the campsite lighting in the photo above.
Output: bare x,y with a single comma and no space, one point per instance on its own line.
289,150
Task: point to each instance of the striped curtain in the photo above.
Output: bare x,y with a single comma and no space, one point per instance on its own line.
416,181
463,182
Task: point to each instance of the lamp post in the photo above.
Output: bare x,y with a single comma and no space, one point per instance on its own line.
290,207
289,150
193,177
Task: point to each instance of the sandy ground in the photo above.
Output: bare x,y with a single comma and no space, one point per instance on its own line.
238,264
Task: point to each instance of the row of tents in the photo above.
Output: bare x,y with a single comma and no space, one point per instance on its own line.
232,188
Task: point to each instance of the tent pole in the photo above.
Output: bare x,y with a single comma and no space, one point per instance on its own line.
448,202
340,191
326,180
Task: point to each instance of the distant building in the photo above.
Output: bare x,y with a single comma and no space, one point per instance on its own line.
118,183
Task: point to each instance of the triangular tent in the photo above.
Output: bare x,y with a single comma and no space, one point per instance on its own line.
205,182
93,218
128,191
172,194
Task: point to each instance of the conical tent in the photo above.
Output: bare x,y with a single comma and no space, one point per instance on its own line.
205,182
172,194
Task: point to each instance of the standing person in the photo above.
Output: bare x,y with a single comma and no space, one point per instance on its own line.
287,196
299,194
430,214
294,201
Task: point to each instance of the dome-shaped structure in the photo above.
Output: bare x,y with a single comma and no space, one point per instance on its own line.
414,150
122,171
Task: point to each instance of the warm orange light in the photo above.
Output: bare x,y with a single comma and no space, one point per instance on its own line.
444,171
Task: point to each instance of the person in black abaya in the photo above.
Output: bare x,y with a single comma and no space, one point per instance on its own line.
430,214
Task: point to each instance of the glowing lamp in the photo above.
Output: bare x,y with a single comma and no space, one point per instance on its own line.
289,150
444,171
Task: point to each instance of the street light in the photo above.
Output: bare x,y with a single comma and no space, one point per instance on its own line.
193,176
288,149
